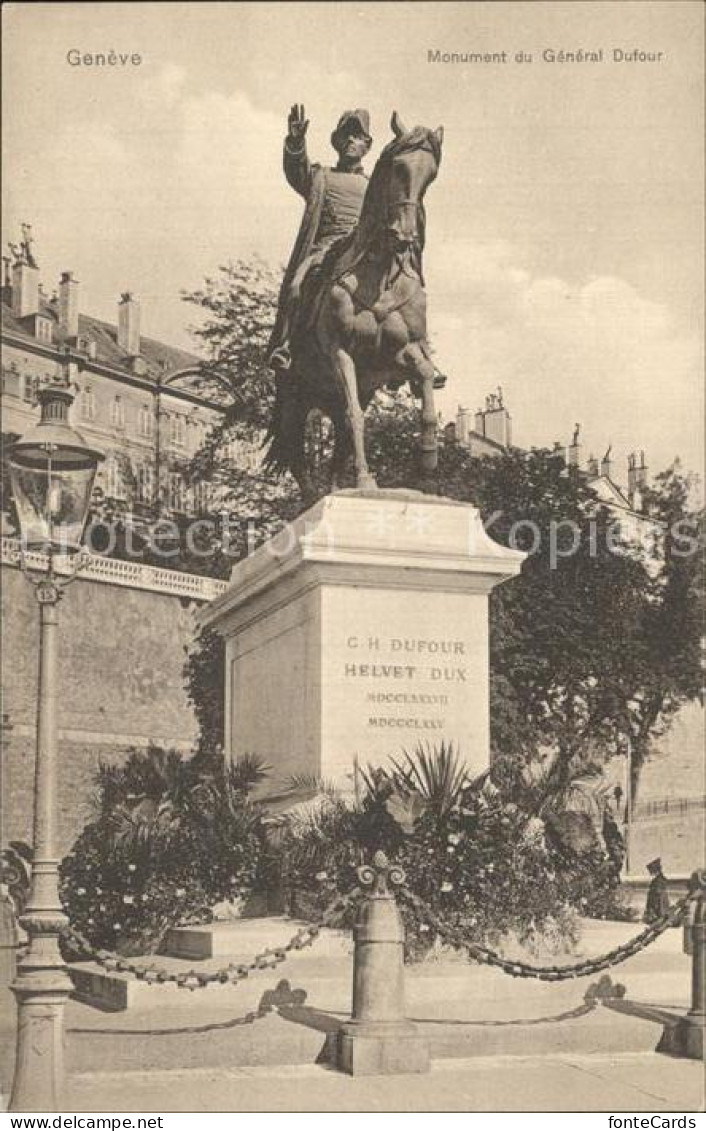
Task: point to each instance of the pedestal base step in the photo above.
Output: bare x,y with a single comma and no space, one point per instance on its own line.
243,938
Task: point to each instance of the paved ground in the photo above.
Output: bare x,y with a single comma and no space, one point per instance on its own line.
495,1041
629,1083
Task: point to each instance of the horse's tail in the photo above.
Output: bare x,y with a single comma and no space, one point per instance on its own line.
285,435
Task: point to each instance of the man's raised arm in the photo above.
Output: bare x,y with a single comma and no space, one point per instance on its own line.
297,167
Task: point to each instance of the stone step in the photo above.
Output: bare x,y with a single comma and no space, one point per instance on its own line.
241,939
302,1034
114,991
437,989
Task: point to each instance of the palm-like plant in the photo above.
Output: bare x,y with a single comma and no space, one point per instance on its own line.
318,820
435,775
143,824
228,789
153,774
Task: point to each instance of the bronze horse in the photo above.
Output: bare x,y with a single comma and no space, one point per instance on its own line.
362,319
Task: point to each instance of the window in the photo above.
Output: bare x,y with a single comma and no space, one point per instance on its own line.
145,421
43,329
177,492
201,492
11,381
29,389
177,429
87,403
231,450
145,483
193,434
114,482
117,413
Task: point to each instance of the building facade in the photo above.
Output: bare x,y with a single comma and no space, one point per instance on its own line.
141,402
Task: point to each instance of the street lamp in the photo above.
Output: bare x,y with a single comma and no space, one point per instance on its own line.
52,470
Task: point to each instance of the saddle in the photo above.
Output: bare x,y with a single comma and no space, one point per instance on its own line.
318,278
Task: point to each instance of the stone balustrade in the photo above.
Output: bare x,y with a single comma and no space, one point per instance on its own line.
667,807
134,575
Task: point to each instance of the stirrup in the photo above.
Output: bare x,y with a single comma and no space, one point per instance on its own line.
280,360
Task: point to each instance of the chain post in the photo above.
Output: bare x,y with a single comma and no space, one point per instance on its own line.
379,1039
686,1038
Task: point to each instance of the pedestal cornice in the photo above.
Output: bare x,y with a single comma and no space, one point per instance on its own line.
401,538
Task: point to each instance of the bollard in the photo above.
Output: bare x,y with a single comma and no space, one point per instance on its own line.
379,1039
9,940
686,1038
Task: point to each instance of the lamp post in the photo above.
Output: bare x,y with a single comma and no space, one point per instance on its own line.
52,470
628,806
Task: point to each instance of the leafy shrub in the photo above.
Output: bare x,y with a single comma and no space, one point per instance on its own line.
170,841
484,865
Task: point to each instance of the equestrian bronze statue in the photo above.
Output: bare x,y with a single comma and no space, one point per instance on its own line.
355,321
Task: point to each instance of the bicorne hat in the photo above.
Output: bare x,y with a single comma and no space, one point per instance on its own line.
348,118
655,866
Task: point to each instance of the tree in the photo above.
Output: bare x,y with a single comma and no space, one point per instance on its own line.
597,641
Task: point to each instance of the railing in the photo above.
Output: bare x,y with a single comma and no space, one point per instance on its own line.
379,1038
667,806
132,575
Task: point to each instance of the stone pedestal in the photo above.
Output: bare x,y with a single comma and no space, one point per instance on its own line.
358,631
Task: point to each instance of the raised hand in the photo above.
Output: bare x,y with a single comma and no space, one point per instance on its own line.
298,124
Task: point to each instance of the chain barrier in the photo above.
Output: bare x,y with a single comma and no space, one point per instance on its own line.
555,973
231,974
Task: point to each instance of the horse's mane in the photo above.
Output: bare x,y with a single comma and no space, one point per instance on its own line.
345,253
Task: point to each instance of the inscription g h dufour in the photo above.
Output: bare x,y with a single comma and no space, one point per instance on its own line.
408,666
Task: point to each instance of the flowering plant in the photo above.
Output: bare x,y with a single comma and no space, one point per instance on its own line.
483,864
169,842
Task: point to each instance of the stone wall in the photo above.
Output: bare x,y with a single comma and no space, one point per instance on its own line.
675,772
121,684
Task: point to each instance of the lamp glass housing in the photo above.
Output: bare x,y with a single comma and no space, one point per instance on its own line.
52,471
52,504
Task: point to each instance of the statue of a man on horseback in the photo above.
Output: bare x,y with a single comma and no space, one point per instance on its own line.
334,199
357,323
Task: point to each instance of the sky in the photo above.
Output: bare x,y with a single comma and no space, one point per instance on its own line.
564,255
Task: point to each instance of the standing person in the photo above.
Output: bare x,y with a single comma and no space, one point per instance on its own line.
658,894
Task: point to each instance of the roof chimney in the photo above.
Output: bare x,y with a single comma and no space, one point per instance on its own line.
632,477
641,473
605,463
575,448
25,289
68,306
462,423
592,467
496,420
129,325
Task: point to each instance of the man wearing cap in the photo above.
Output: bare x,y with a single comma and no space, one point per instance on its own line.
657,894
334,199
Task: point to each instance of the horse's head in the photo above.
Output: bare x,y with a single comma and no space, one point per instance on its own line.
411,161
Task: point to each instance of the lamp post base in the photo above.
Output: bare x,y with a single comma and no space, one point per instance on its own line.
41,988
39,1071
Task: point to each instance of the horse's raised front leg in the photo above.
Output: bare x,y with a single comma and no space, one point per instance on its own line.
422,373
344,369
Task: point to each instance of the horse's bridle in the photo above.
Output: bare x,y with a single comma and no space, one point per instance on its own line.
398,205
